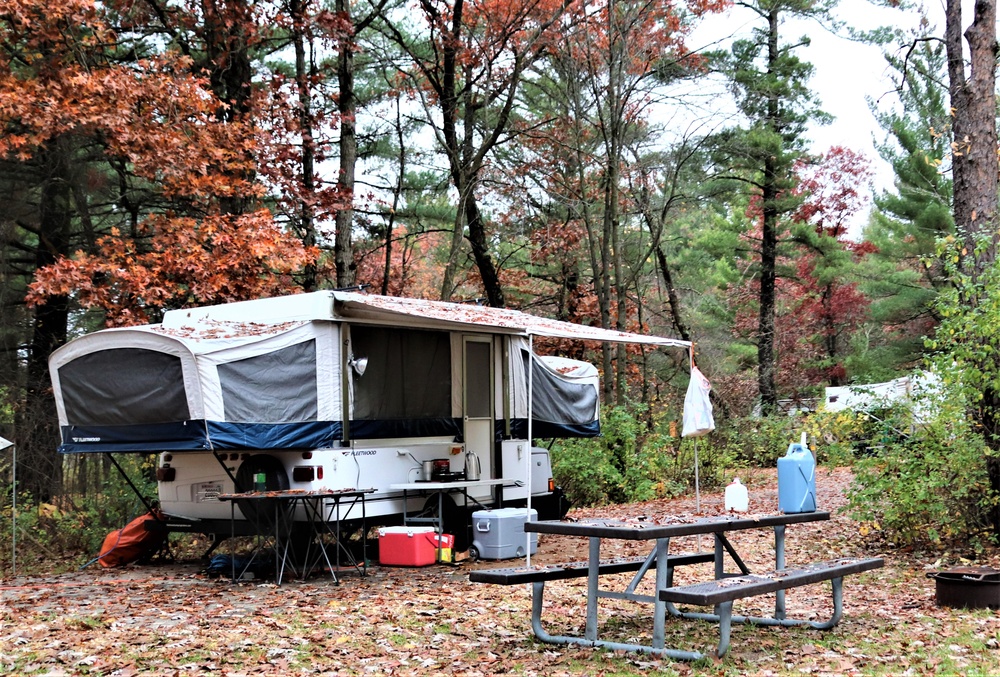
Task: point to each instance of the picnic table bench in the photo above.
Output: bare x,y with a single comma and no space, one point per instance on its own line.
720,592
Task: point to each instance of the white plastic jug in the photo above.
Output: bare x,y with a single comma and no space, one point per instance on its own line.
737,497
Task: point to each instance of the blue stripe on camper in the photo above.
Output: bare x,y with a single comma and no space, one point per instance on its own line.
304,435
191,436
144,438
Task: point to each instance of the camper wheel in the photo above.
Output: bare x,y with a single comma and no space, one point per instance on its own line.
276,479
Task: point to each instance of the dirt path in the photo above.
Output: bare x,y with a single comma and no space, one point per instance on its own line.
173,620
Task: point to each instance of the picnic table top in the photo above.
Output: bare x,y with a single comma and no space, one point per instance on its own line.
640,529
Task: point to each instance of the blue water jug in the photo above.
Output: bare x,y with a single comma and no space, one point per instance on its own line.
797,479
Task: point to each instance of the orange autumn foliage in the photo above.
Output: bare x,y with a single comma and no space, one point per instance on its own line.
218,259
158,119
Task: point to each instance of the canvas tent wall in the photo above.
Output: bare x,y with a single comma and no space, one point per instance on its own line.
272,373
158,389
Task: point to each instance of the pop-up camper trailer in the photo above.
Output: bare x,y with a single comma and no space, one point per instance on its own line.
329,390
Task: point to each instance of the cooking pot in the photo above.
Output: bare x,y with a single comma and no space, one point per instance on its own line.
442,466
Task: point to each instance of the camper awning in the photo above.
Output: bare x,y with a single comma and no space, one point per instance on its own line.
454,315
347,306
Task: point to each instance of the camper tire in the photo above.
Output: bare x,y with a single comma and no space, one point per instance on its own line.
276,479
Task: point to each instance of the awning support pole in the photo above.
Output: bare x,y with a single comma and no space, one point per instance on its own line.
13,516
531,371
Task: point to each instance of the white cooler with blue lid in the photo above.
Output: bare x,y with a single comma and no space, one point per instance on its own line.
499,534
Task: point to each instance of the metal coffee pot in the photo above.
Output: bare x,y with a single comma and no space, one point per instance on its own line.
472,467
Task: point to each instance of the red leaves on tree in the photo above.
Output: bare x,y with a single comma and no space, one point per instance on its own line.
816,313
158,119
835,188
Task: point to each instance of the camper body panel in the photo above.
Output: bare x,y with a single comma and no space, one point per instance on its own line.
198,478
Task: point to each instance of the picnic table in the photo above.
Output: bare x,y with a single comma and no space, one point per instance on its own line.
318,515
719,592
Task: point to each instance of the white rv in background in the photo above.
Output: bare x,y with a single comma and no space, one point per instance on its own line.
330,390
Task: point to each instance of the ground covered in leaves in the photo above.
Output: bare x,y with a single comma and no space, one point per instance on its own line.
174,620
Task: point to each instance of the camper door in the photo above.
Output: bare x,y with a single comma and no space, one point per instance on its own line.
477,399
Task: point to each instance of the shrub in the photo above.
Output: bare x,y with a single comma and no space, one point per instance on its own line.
758,442
72,528
634,460
928,489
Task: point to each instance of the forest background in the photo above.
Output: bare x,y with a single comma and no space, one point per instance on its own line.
556,156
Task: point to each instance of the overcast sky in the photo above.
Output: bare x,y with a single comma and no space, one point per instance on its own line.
845,74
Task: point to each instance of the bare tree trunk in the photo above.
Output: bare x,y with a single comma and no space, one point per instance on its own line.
343,250
766,296
303,76
457,238
481,253
974,162
37,428
674,301
227,26
975,177
768,248
397,193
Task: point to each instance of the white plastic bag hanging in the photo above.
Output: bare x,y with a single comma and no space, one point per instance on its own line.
698,419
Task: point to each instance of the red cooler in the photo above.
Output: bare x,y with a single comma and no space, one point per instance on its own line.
407,546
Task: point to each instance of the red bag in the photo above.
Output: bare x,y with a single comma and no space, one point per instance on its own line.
132,541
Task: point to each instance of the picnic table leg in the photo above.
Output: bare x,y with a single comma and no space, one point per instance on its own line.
659,606
538,592
838,606
725,613
593,578
779,564
720,565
